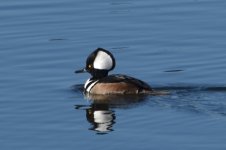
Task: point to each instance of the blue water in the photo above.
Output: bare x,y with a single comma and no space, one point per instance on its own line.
176,45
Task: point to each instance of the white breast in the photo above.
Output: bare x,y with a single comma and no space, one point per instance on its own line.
89,84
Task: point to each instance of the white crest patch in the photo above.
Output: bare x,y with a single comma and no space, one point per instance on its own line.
103,61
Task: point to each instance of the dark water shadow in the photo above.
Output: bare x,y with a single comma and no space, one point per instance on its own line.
57,39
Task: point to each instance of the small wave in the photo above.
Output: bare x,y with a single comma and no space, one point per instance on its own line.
193,88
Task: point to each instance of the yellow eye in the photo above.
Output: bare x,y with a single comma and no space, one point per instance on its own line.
90,66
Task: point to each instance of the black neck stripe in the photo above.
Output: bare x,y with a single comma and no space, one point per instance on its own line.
90,84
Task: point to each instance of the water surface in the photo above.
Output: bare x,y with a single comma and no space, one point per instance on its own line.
178,46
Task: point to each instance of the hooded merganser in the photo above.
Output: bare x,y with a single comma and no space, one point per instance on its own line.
98,64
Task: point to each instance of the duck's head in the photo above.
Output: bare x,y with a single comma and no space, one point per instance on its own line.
99,63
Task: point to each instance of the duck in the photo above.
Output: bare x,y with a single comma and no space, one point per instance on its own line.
98,64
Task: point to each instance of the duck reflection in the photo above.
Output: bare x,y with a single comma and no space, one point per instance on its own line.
100,113
101,118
